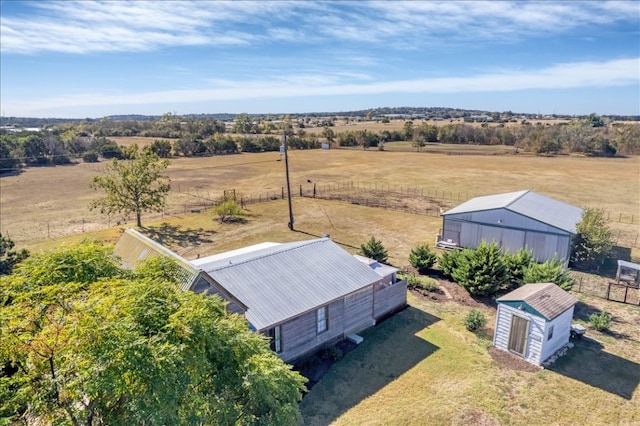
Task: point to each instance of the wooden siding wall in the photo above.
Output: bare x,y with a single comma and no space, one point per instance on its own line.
536,337
386,299
358,311
350,314
561,334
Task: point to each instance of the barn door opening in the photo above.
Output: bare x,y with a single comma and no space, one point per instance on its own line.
518,335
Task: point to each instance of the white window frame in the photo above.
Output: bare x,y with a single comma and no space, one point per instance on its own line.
275,334
322,321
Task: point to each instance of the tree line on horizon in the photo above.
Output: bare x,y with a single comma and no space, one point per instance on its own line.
179,136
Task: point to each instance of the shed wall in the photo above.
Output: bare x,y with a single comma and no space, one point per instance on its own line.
561,333
536,337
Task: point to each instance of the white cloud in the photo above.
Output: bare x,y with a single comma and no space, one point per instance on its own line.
562,76
99,26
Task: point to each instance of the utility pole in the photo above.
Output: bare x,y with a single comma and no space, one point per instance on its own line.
286,166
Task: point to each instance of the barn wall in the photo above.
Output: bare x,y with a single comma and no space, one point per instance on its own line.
536,336
510,230
561,333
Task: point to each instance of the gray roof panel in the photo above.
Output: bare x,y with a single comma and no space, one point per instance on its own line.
284,281
527,203
546,298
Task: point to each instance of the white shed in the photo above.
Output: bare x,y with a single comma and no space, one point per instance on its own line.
514,220
534,321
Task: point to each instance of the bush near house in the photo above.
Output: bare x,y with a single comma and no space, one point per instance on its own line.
422,258
600,321
474,320
373,249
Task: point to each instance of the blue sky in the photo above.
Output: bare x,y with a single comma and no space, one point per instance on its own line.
93,58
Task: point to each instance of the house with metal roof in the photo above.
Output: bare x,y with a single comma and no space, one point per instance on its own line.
515,220
534,321
303,295
307,294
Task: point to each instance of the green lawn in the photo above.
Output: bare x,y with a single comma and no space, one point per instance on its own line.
422,367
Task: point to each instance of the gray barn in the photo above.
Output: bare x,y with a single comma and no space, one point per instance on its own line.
514,220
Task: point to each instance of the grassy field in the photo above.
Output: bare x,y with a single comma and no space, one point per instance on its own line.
50,202
422,367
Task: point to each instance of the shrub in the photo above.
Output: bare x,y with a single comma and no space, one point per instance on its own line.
422,258
229,211
90,157
373,249
516,264
474,320
594,240
481,271
161,147
600,321
448,261
551,271
421,283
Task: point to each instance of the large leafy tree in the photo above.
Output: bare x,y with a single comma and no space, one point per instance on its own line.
481,271
593,241
133,186
85,342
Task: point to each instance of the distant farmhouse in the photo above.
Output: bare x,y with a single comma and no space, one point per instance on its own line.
303,295
514,220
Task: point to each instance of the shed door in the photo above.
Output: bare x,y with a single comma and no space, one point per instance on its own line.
518,335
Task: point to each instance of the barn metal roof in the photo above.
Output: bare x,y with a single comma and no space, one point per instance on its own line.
133,247
527,203
283,281
546,298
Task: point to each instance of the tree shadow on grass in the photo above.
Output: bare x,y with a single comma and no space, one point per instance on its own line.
588,363
173,236
389,350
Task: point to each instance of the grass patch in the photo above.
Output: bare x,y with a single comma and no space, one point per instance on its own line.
422,367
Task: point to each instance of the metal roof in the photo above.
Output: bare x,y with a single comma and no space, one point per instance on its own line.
133,247
527,203
546,298
280,282
381,269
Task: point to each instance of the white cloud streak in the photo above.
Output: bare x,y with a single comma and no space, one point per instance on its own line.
79,27
561,76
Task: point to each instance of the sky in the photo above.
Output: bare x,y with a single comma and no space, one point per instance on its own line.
90,59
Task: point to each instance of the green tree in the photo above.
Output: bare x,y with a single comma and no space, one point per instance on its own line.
133,186
516,264
373,249
448,262
229,211
9,257
551,271
481,271
593,241
408,130
161,147
94,344
243,124
422,258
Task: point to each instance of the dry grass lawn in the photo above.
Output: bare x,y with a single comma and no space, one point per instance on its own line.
50,202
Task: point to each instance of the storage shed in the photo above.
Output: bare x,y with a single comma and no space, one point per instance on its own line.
514,220
534,321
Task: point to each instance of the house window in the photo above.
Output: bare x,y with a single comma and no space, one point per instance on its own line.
322,320
550,335
275,334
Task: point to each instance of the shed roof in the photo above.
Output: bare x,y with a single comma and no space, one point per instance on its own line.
381,269
283,281
527,203
546,298
133,247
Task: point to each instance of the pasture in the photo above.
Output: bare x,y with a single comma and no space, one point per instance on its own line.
420,366
50,202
